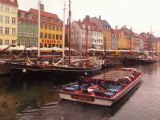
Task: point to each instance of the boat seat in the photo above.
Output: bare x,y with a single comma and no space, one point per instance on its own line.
109,94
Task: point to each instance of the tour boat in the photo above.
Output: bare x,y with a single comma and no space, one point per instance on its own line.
104,89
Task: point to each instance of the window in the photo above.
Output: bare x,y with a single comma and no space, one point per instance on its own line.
49,36
7,30
14,10
13,41
1,18
7,19
1,30
13,20
53,36
6,42
56,37
53,27
60,37
57,28
13,31
60,27
49,27
7,9
46,27
41,35
1,41
1,7
45,35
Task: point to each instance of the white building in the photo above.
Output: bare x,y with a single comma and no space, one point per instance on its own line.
86,35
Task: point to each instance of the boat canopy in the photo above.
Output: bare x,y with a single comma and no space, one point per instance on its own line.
114,75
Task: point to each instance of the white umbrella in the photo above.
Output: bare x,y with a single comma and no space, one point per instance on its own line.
66,48
56,48
21,47
32,48
3,46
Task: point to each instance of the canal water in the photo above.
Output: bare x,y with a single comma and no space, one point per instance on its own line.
24,99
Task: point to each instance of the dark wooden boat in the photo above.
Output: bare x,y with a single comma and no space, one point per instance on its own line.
104,89
43,67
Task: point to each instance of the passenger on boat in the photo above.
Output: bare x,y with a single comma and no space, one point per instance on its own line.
81,81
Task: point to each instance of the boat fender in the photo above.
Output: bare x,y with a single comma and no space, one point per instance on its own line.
24,71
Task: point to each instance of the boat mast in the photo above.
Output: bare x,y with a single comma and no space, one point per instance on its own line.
69,31
130,37
86,40
63,54
39,22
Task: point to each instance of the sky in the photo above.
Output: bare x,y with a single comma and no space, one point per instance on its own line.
141,15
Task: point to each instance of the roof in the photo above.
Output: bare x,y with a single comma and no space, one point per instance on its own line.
26,17
116,31
88,23
104,23
46,16
10,2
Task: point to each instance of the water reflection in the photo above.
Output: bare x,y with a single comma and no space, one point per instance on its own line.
17,95
38,99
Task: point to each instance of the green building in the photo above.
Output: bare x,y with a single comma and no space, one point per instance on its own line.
27,28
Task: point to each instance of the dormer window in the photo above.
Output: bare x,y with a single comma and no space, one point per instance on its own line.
30,16
11,0
51,20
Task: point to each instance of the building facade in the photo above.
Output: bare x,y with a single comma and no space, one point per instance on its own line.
85,35
114,40
105,27
27,29
8,22
50,28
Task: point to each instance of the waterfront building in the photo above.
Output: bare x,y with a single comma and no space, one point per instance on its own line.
85,34
147,42
122,41
128,37
105,27
141,43
138,43
51,28
158,45
114,40
27,28
8,21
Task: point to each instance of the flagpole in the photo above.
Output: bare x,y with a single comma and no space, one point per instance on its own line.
63,55
39,22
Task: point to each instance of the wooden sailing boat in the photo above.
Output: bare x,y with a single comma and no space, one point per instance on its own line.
63,68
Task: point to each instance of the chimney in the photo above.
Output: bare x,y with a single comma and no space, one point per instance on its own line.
100,17
116,27
42,7
87,17
79,20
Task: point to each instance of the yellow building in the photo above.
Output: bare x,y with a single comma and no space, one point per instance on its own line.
126,39
122,41
51,29
107,39
8,21
105,27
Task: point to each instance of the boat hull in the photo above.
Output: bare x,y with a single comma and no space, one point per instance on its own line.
94,101
4,69
52,72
